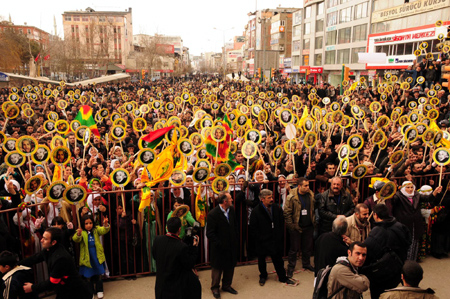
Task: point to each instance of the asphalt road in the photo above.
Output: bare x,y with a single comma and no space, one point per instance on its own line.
246,283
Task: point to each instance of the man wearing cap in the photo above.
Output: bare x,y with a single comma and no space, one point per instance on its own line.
374,199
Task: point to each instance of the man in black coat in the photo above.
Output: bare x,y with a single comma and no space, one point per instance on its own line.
223,235
386,234
329,246
267,223
174,263
332,203
63,275
13,277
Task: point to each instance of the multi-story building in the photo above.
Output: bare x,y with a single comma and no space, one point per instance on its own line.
296,52
99,37
398,28
31,32
281,36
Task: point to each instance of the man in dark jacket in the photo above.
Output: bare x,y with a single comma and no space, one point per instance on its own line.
63,275
13,277
387,234
267,225
174,263
300,220
222,232
332,203
331,245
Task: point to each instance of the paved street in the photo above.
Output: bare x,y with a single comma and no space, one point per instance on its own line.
246,283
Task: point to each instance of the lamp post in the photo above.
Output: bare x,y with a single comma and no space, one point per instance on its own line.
224,50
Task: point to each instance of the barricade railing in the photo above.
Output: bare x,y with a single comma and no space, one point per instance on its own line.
128,246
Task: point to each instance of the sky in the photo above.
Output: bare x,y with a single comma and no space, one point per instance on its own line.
193,20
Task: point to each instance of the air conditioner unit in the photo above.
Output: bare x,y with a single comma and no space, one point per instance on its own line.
281,48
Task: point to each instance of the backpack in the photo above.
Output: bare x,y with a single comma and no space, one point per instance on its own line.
321,283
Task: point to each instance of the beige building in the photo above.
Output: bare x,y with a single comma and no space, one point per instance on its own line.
99,37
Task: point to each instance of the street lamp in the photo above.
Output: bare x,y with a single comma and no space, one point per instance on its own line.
224,49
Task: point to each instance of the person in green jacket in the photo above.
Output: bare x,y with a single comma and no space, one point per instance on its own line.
92,256
186,220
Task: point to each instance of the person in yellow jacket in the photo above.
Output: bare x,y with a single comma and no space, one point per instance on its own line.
92,256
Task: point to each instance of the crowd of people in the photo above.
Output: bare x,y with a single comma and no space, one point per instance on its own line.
355,174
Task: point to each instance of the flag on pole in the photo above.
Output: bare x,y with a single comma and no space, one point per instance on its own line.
155,137
37,57
47,57
200,207
85,118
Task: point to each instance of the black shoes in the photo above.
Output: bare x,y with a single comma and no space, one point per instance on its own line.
262,281
309,267
216,293
230,290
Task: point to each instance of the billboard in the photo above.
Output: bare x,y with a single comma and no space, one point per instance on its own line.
165,48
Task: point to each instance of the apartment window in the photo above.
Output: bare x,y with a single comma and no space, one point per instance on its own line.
306,43
307,28
76,18
331,38
118,19
308,12
86,28
73,29
344,35
297,30
360,33
283,23
102,19
332,3
320,8
29,31
355,52
343,56
409,48
319,25
67,18
305,60
361,10
330,57
85,19
318,59
296,45
345,15
344,1
295,60
20,31
332,18
297,18
319,42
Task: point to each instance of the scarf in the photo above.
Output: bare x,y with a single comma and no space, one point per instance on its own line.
403,190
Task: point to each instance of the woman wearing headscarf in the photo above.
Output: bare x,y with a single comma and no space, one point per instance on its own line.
406,208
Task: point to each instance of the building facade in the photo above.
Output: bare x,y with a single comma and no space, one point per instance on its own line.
31,32
99,37
398,28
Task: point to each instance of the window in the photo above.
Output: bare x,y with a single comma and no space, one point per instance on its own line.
307,28
409,48
331,38
73,29
332,3
330,57
355,52
400,49
318,59
297,30
360,33
305,60
343,56
76,18
345,15
295,60
67,18
344,1
21,31
282,23
332,18
320,8
86,28
296,45
344,35
29,31
319,42
102,19
306,44
382,49
319,25
361,10
297,17
308,12
85,19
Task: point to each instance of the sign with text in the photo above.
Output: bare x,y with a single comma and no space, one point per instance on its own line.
408,9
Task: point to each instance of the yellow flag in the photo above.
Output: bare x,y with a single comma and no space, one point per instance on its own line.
57,174
302,120
200,207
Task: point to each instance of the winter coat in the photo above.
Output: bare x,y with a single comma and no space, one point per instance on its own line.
409,214
345,275
353,231
293,209
408,293
268,231
329,209
84,248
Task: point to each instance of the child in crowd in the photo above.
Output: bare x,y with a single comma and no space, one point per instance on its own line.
92,257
